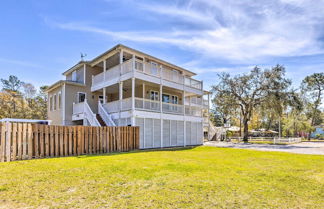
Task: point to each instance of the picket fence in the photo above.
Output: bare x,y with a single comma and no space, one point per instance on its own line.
21,141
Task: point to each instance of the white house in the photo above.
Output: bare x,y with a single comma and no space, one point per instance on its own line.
126,87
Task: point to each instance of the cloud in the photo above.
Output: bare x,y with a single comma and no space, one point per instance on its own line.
239,31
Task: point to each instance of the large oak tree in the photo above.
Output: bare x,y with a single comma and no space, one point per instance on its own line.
249,91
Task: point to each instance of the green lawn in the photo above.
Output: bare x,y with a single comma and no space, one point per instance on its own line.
202,177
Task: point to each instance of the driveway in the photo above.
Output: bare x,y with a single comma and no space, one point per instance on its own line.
313,148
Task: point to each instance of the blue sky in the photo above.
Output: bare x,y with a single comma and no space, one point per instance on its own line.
41,39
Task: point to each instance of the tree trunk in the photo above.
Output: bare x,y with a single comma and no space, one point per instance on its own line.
246,130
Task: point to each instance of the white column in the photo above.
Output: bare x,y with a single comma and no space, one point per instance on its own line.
133,102
160,97
104,95
161,118
120,99
143,94
184,118
121,54
208,117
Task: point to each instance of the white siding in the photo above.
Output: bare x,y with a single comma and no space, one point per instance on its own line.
140,122
148,133
157,133
180,133
188,133
173,133
166,133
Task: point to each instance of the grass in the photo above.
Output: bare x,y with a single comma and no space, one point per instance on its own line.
202,177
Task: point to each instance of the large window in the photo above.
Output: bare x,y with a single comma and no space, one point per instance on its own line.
165,98
170,99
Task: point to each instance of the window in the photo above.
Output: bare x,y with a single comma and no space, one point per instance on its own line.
81,97
165,98
51,103
54,102
101,100
154,68
74,76
59,100
154,95
174,99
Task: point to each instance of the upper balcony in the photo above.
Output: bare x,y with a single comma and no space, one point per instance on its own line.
148,71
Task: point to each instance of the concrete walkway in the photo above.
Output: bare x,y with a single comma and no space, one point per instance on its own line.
313,148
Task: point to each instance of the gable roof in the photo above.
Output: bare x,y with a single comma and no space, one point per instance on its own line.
120,46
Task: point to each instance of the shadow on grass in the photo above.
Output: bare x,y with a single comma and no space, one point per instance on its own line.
166,149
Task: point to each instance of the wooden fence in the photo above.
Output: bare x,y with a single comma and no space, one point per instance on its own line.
20,141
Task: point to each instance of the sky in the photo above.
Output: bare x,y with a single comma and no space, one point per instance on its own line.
41,39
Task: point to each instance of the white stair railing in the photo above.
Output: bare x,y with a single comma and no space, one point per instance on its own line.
106,117
89,115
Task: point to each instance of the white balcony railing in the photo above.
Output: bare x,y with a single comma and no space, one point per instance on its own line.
127,66
172,108
78,108
193,111
147,104
151,105
126,104
112,107
83,107
147,68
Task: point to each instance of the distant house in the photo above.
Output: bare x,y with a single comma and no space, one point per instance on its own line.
319,130
126,87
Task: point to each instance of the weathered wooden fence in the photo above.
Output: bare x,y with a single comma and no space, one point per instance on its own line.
20,141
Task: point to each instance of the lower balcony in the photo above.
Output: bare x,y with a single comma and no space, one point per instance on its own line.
152,106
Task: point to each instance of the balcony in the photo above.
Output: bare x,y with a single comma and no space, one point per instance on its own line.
152,106
146,68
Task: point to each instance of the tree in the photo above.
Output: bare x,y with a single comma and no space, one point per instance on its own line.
13,84
28,104
249,91
312,88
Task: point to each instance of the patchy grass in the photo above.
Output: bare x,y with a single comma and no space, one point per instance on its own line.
202,177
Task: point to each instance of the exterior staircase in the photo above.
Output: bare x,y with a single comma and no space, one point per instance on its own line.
100,120
105,117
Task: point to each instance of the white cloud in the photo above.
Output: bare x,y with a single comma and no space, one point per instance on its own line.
235,30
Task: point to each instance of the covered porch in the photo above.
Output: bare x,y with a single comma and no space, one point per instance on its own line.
142,95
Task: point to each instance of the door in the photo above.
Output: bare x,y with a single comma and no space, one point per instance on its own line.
154,96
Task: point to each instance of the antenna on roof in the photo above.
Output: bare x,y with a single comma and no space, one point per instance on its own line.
83,56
